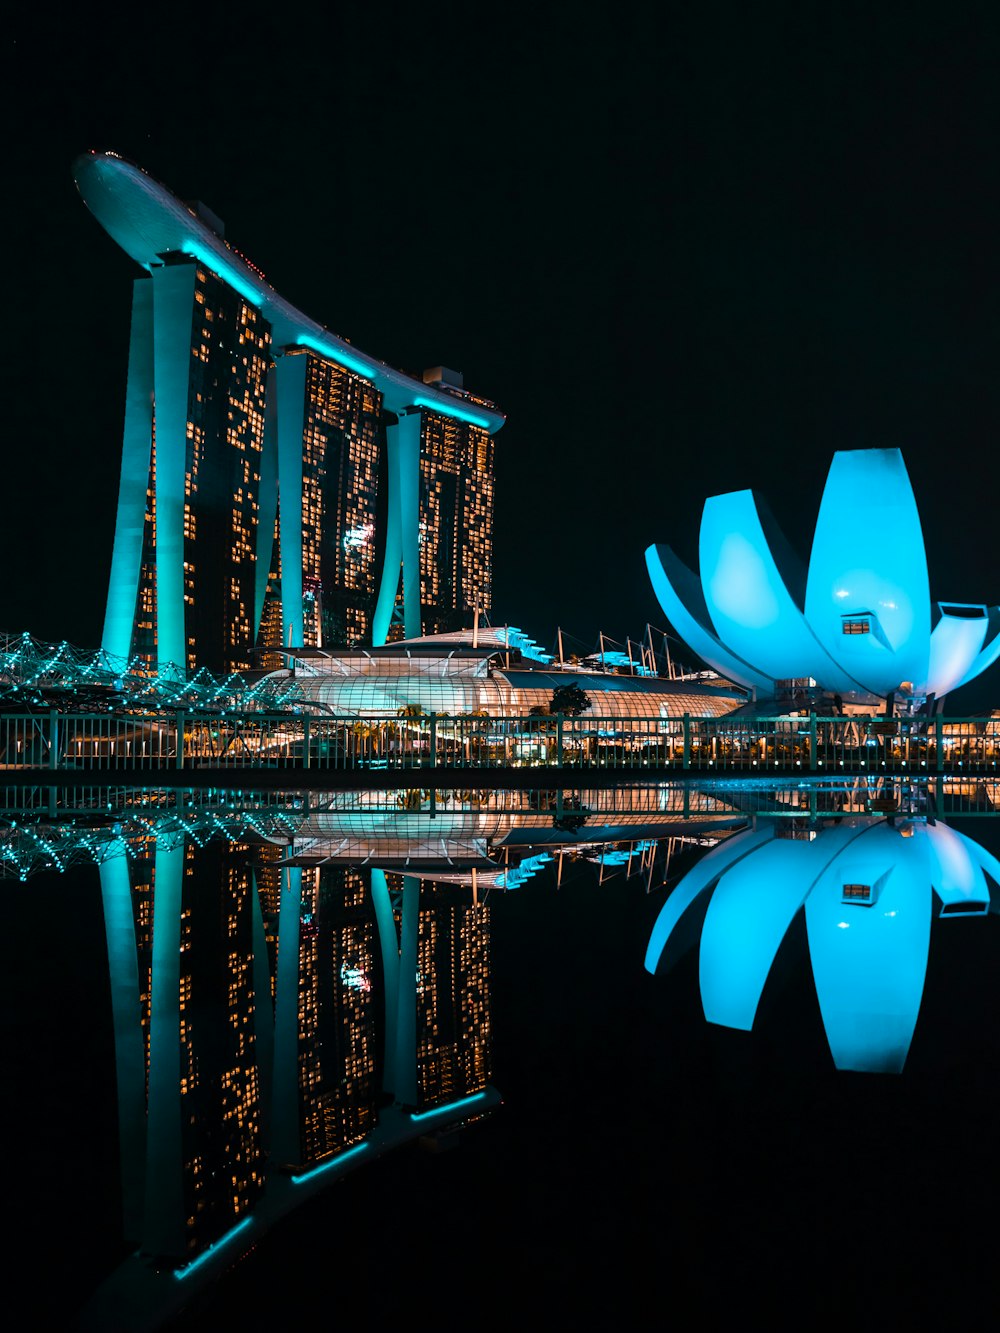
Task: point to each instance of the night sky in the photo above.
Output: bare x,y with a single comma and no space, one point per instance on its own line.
685,253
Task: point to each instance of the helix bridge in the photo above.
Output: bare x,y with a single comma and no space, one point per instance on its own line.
35,674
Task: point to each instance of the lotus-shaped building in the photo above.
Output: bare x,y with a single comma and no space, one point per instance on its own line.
868,890
859,621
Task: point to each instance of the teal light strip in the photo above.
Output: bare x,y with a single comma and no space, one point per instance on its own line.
328,1166
255,295
333,352
451,1106
446,410
212,1250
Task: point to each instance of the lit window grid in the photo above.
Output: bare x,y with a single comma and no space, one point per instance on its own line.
454,1038
456,517
340,475
336,1022
238,363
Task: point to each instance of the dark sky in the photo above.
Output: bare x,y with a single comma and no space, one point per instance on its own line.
686,254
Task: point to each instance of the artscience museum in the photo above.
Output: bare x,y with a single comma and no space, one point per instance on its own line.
858,622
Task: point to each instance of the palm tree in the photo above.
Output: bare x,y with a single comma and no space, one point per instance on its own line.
364,732
409,712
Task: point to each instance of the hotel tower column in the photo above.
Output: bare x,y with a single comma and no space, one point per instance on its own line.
268,499
173,301
406,996
285,1145
163,1224
402,542
290,383
126,556
389,943
130,1055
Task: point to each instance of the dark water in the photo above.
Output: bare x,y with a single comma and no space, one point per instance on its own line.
643,1162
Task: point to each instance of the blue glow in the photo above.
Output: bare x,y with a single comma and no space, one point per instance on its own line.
955,643
357,537
337,1161
355,978
956,873
520,873
751,609
212,1250
760,634
402,548
334,352
517,875
516,638
693,632
985,659
869,963
289,381
451,1106
126,558
700,877
748,917
239,283
888,580
868,950
448,410
173,301
741,583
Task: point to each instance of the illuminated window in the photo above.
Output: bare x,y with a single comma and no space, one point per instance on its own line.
856,625
857,893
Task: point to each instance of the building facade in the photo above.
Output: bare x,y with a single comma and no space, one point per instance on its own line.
456,522
858,622
278,487
200,446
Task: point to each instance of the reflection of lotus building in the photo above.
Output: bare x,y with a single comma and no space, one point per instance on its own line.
868,890
859,621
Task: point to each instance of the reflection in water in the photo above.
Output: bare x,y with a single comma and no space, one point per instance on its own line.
272,1023
868,888
299,983
302,982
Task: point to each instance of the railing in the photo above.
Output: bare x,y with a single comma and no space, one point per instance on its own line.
825,745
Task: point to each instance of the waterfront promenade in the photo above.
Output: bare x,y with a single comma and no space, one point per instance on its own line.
435,750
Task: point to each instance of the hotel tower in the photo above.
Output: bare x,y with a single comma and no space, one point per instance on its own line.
278,486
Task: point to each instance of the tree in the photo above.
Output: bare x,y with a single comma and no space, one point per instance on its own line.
366,736
569,699
408,714
410,710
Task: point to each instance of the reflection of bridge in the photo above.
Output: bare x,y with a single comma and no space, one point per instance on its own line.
415,831
461,835
252,744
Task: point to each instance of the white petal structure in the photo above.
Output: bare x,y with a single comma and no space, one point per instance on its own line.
858,621
868,889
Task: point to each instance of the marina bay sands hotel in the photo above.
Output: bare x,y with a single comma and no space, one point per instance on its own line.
279,487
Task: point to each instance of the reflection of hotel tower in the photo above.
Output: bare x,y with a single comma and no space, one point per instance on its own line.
249,511
454,1044
189,1077
248,1007
336,1010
